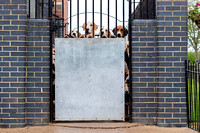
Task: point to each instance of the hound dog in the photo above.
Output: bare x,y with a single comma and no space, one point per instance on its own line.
121,32
89,29
118,31
75,34
106,33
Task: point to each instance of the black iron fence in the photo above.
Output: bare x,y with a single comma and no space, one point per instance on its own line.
107,14
100,10
193,94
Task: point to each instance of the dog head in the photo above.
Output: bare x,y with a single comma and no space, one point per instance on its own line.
74,34
119,31
104,32
89,28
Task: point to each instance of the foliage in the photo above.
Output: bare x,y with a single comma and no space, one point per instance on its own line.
193,27
194,13
191,56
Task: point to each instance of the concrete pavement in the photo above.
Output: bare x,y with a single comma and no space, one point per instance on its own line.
97,128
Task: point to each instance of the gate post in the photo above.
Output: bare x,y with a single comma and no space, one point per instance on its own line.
159,52
12,61
144,72
172,45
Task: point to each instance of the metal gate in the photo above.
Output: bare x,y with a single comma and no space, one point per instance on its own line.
59,26
89,79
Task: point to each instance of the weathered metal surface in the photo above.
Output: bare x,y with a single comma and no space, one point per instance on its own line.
89,79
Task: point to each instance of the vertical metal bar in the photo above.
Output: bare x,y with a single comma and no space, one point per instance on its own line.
29,9
108,17
36,9
141,10
123,19
191,86
58,30
186,79
130,64
189,91
198,105
193,78
134,8
42,9
147,8
100,17
85,18
63,18
116,18
51,67
93,17
65,28
78,17
55,6
154,9
70,16
189,77
195,93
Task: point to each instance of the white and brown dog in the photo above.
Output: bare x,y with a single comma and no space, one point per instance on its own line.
121,32
75,34
89,29
106,33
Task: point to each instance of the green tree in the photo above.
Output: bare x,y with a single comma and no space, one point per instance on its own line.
193,30
193,37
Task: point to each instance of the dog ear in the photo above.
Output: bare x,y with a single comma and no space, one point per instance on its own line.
125,32
83,26
114,30
95,27
80,34
69,34
109,33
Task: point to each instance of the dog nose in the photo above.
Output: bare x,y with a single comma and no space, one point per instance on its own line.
87,29
74,34
118,35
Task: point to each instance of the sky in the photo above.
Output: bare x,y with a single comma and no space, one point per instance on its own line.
97,15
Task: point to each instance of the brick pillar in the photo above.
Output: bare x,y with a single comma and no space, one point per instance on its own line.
24,71
12,61
172,45
38,69
144,58
159,52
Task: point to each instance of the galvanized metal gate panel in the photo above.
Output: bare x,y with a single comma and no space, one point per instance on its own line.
89,79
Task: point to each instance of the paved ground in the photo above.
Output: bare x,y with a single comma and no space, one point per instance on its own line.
97,128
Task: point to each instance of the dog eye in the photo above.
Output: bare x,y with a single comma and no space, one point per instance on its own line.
91,25
121,29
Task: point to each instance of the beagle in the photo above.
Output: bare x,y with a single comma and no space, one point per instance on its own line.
104,33
89,29
119,31
74,34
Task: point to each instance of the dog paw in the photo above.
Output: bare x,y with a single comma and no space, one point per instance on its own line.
73,36
113,36
66,36
90,36
82,36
